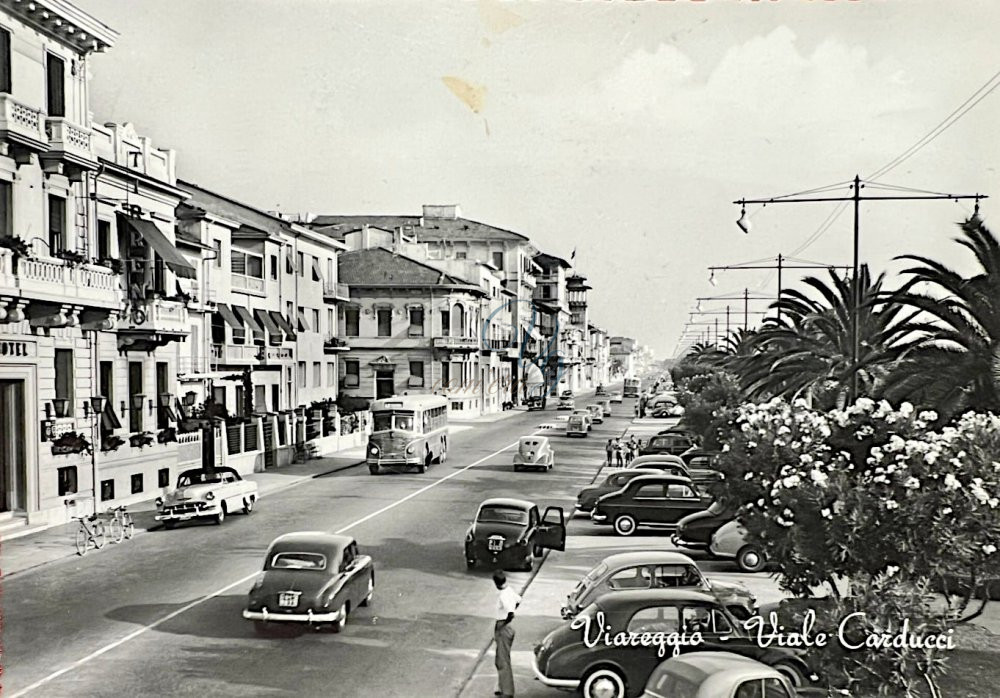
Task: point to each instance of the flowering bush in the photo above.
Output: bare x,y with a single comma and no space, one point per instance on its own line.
708,400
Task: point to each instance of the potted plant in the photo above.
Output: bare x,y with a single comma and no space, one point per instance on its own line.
115,265
111,442
71,257
70,442
17,246
167,435
141,440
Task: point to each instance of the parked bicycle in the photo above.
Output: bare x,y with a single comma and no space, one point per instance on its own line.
93,534
120,524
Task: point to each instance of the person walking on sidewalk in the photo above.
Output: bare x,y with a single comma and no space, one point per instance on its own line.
610,450
503,634
618,452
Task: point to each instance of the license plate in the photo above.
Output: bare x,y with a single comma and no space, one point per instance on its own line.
495,544
288,600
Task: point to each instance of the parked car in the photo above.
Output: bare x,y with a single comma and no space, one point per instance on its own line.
577,425
721,675
588,417
616,397
311,578
651,500
673,443
596,413
534,452
655,569
534,403
601,390
612,483
703,477
566,393
666,411
730,542
566,403
695,530
510,532
612,670
662,399
203,494
678,429
605,406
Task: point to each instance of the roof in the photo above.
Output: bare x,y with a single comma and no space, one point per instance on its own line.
547,261
409,402
379,266
207,201
311,540
640,557
539,439
713,672
507,502
423,228
623,598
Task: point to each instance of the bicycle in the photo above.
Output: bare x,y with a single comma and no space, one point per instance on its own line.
87,535
120,524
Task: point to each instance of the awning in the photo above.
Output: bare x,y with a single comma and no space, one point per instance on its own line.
303,323
534,334
282,322
109,420
159,242
290,261
264,319
317,271
248,318
229,317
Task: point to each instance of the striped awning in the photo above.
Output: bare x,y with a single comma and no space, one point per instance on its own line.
264,319
248,318
230,317
282,322
303,323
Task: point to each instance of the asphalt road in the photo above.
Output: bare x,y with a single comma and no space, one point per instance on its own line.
160,615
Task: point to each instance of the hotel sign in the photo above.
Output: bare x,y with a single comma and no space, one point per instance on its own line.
16,350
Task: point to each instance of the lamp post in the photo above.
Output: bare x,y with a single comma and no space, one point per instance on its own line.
97,405
745,296
744,224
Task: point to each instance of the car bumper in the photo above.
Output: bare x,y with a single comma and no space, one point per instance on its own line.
309,617
212,510
507,556
572,684
681,543
395,461
598,517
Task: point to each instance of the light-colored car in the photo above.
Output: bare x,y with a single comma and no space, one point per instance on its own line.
605,406
587,417
534,452
616,397
596,412
730,542
717,675
655,569
201,494
577,425
566,403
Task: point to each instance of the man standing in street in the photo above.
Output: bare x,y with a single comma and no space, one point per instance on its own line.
618,452
610,450
503,634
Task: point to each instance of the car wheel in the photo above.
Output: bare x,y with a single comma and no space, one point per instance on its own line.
790,672
367,601
220,517
625,525
603,683
342,623
248,505
750,559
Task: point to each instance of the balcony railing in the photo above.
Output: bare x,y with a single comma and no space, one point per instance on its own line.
235,353
456,343
496,345
158,315
22,123
51,279
68,138
192,364
247,283
336,292
269,354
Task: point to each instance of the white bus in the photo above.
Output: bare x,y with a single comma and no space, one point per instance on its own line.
409,431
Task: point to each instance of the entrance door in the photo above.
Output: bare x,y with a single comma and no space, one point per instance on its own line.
13,465
384,383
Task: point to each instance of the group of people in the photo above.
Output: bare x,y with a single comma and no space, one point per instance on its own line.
621,453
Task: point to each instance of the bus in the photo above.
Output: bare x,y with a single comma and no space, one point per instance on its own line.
409,431
631,387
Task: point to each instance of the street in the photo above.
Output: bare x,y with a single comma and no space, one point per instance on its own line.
161,614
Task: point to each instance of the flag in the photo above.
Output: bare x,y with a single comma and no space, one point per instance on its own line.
573,256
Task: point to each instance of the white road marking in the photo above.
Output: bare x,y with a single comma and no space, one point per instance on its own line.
134,634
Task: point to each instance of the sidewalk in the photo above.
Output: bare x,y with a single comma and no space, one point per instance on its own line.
35,548
487,418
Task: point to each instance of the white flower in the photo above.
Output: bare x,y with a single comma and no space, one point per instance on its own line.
912,483
826,514
906,409
791,481
865,403
760,502
951,482
989,548
891,504
806,458
748,476
946,511
838,506
891,570
820,478
725,448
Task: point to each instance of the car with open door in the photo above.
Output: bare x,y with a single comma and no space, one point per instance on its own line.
511,533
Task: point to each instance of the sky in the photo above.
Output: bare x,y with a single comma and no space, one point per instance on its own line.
622,130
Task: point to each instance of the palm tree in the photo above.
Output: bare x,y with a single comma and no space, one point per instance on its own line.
808,351
958,367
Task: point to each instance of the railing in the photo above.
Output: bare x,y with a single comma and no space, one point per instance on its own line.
274,353
235,352
54,279
67,137
496,344
340,292
189,448
22,120
247,283
456,343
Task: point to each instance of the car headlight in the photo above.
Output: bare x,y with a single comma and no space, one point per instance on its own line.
373,450
159,502
210,496
469,537
410,449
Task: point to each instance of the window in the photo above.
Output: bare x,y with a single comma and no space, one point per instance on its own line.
163,477
107,490
546,291
302,264
55,85
649,492
275,398
57,224
331,373
680,492
241,405
136,483
217,246
274,266
352,373
445,323
315,318
103,239
384,322
352,319
315,269
445,375
416,322
302,374
247,264
331,322
64,381
629,578
656,619
5,85
416,374
163,412
461,254
6,207
498,260
67,480
317,374
105,381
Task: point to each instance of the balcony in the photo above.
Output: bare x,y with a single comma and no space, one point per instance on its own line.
336,293
249,284
153,323
57,281
191,365
235,353
335,345
496,345
22,127
271,354
71,150
456,343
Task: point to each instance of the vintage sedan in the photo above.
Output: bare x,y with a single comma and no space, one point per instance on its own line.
702,476
569,658
601,390
310,578
674,443
204,494
730,542
534,452
721,675
616,397
605,406
695,530
588,418
589,495
511,533
596,412
566,403
657,501
577,425
655,569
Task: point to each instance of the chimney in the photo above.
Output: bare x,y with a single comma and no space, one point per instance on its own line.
447,211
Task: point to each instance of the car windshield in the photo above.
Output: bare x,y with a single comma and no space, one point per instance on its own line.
298,561
495,513
199,477
400,421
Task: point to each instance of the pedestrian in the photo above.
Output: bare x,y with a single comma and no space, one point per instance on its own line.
610,449
503,634
618,452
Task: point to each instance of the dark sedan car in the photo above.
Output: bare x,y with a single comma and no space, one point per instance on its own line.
674,443
569,657
311,578
695,530
651,500
511,533
612,483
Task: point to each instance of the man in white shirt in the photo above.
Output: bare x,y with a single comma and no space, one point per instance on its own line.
503,634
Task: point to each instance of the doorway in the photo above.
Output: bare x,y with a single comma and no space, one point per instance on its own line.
384,383
13,461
